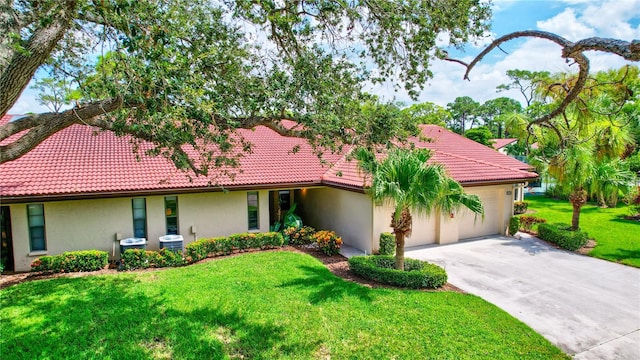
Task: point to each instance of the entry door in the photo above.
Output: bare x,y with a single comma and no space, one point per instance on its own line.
6,241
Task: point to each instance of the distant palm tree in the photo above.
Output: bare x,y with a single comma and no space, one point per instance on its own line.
609,178
404,180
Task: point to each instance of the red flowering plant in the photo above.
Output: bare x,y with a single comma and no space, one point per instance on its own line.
328,242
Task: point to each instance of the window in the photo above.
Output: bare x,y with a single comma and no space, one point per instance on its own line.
139,217
35,214
171,214
252,209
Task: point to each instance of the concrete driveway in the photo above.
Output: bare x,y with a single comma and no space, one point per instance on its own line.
589,308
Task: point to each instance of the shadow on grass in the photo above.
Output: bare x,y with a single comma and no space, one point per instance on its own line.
98,317
325,286
621,219
621,255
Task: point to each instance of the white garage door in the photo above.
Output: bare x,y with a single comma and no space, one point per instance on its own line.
473,227
423,231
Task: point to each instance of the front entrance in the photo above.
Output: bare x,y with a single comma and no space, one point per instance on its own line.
279,204
6,241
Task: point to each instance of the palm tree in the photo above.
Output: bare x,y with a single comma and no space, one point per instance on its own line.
609,178
404,180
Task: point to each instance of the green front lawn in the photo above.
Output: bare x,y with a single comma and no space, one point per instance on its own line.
618,239
260,306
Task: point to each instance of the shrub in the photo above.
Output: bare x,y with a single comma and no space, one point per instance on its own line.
562,235
135,259
514,225
387,244
328,242
72,261
527,222
300,236
520,207
142,259
417,274
218,246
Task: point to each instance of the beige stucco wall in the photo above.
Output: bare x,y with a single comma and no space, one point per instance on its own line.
423,227
444,229
93,224
347,213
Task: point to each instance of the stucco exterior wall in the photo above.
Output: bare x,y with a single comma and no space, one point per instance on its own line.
444,229
348,213
93,224
424,227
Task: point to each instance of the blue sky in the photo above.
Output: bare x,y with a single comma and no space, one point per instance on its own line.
573,19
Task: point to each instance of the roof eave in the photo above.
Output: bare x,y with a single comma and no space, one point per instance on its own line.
152,192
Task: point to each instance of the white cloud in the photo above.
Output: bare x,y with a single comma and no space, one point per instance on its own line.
27,103
566,25
583,19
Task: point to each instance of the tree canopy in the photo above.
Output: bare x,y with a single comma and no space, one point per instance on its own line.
184,75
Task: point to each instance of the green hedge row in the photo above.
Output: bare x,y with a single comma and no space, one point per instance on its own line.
72,261
562,235
142,259
417,274
210,247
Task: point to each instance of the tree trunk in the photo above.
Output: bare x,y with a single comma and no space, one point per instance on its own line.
602,202
401,228
577,198
399,250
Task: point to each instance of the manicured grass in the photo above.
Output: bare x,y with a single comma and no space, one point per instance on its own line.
260,306
618,239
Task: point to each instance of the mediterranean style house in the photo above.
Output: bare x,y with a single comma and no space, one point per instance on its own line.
84,188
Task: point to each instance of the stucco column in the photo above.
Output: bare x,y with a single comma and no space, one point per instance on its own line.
447,228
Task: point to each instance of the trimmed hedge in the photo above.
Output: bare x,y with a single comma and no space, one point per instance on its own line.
514,225
72,261
218,246
387,244
417,274
562,235
142,259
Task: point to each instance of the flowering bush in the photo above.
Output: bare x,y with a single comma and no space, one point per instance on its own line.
527,222
328,242
300,236
520,207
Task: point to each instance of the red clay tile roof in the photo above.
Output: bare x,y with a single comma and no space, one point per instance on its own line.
466,161
82,161
79,160
500,143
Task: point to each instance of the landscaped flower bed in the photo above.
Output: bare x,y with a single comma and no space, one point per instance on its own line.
417,274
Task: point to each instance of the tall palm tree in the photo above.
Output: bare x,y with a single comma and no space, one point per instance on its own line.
404,180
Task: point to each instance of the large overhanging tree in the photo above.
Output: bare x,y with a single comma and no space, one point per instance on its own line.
183,75
571,51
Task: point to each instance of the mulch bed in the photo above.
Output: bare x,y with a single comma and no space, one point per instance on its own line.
337,264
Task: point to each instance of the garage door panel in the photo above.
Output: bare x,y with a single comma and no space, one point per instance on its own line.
472,226
423,231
